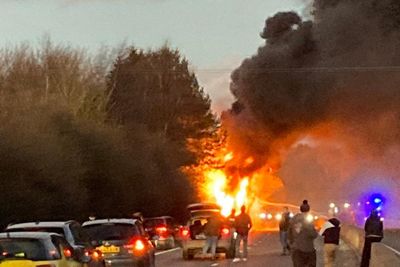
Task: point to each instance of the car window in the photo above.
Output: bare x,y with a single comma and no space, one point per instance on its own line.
153,222
31,249
79,234
111,231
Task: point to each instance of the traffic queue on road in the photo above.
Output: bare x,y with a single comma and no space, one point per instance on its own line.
94,243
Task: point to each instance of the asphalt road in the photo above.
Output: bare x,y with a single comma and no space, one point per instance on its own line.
264,251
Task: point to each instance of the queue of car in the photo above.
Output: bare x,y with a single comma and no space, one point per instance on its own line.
95,243
109,242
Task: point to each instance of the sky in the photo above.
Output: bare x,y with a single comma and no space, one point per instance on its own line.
215,35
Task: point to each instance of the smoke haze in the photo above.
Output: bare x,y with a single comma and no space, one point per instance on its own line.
334,79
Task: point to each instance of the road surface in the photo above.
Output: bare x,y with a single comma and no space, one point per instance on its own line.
264,251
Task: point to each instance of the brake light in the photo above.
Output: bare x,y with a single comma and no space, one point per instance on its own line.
185,232
161,229
135,246
139,245
225,231
67,253
96,255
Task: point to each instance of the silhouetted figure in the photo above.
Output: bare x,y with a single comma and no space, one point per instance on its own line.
243,225
301,237
331,233
373,233
283,230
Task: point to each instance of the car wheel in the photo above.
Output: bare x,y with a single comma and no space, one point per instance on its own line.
186,255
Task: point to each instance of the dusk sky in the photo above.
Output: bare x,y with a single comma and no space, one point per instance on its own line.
215,35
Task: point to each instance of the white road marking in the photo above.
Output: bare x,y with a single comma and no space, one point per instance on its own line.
167,251
392,249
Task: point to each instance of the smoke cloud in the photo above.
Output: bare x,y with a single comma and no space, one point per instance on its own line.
334,79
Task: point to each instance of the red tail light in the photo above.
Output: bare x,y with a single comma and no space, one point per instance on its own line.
185,232
136,246
139,245
67,253
225,231
161,229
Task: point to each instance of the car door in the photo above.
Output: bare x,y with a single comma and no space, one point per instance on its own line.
68,256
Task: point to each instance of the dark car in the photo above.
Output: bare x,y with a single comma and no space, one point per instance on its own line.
162,231
71,230
123,242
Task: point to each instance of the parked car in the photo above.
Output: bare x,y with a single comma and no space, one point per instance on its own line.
71,230
122,242
33,249
162,231
193,237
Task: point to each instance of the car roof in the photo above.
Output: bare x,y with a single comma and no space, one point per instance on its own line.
35,235
202,206
157,218
49,224
105,221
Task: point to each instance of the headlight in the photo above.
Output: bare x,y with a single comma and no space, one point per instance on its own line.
278,216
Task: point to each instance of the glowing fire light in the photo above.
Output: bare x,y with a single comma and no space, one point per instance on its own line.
228,157
218,185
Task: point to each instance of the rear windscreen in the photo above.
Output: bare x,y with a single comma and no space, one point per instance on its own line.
111,231
24,248
153,222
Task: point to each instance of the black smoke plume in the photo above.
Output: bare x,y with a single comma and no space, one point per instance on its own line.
335,77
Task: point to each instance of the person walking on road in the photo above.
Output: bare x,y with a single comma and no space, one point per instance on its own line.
331,233
243,225
212,230
301,237
373,233
283,230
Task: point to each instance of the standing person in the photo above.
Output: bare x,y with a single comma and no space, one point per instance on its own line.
373,233
231,222
331,233
243,225
212,230
301,237
283,230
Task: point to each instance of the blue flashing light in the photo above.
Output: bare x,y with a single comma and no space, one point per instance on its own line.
377,200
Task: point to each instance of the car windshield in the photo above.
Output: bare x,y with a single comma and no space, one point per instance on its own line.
57,230
111,231
25,248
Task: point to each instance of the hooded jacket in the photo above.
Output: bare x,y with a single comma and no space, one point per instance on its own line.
331,231
302,233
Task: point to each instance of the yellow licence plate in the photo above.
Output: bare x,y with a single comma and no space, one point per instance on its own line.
110,249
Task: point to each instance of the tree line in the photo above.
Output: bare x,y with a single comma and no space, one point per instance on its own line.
101,133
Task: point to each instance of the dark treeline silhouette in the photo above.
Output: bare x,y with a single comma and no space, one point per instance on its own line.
100,134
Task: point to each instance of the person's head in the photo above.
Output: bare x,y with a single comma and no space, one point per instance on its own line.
305,207
233,212
374,213
285,209
243,209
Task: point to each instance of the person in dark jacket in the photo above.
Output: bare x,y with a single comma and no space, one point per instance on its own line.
243,225
212,230
373,233
331,233
301,237
283,230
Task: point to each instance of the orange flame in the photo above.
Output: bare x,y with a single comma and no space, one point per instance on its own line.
217,188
